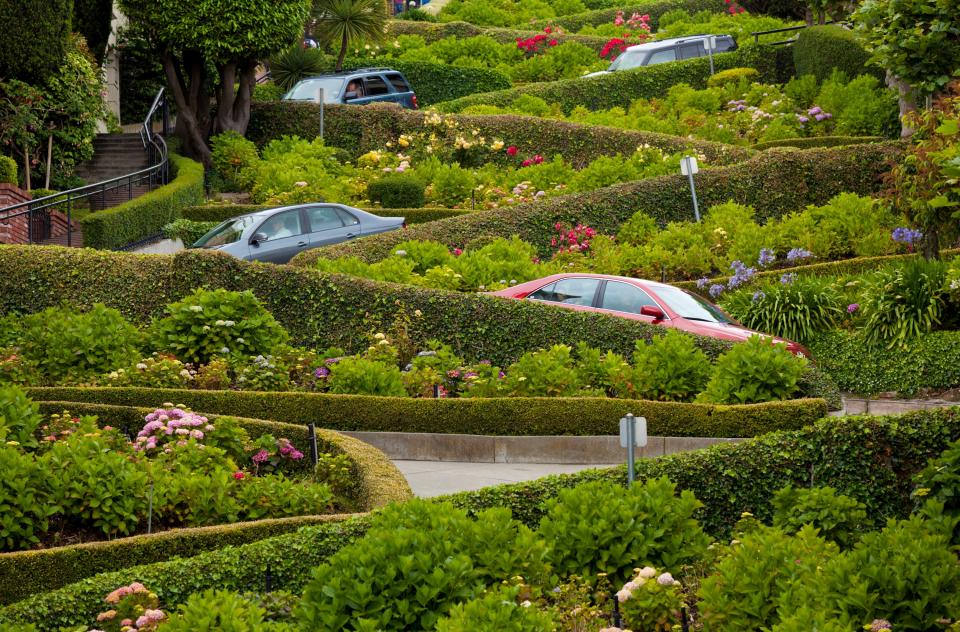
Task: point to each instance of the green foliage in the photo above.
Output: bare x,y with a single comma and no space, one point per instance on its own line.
187,231
209,323
398,190
733,75
496,610
755,370
216,610
294,64
8,170
670,368
67,345
651,601
24,511
417,15
361,376
36,40
602,528
799,311
545,373
417,561
340,23
235,159
837,518
755,571
821,49
19,417
940,481
904,302
145,215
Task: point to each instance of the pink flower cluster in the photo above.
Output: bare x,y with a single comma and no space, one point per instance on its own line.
123,591
174,423
576,239
287,450
733,7
635,21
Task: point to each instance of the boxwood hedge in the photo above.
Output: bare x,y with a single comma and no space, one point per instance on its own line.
821,49
220,212
618,89
28,572
869,458
818,141
146,215
775,182
433,31
361,129
654,8
506,416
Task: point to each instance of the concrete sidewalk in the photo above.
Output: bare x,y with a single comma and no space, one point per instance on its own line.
435,478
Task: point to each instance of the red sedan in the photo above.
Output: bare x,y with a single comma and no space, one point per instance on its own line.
637,299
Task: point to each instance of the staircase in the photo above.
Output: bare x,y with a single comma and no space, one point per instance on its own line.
115,155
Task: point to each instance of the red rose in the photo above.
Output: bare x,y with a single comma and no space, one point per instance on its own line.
512,150
548,30
525,163
553,42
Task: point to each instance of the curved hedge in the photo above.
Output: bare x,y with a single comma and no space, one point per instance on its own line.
146,215
220,212
775,182
818,141
361,129
820,49
654,8
24,573
433,31
869,458
619,89
505,416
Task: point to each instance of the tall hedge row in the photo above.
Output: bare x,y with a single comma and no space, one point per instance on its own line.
317,309
820,49
869,458
361,129
221,212
619,89
433,31
502,416
34,38
145,216
654,8
775,182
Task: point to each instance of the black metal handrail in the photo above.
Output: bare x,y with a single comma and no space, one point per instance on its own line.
756,34
37,211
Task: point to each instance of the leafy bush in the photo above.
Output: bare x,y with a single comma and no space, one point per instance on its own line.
8,170
757,370
217,610
546,373
940,481
797,310
821,49
670,368
397,191
24,511
904,302
361,376
69,345
187,231
602,528
208,323
234,158
837,518
19,417
651,600
733,75
497,610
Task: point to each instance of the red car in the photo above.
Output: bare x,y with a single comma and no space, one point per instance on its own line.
637,299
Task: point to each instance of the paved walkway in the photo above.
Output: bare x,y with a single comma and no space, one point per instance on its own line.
435,478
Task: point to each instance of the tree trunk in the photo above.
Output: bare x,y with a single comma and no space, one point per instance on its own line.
49,161
192,96
26,166
233,105
343,52
906,101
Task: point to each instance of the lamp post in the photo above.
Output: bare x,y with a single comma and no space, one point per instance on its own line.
633,433
710,43
688,167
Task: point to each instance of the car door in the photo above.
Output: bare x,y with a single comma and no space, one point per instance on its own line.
691,50
404,92
624,299
327,226
279,237
662,56
375,89
575,293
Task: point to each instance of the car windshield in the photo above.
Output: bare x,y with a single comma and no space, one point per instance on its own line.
226,233
307,90
627,60
691,306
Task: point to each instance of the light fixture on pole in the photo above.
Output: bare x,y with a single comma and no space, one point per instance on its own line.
633,433
688,167
710,43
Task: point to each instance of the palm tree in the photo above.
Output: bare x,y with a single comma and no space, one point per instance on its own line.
349,21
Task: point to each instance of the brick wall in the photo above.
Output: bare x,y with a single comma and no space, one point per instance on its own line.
12,231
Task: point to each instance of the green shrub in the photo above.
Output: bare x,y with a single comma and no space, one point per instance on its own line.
146,215
187,231
733,75
8,170
497,610
797,310
940,481
295,63
670,368
360,376
417,15
24,509
417,561
837,518
817,141
397,191
69,345
820,49
757,370
267,91
19,417
217,611
234,157
602,528
208,323
755,572
37,39
904,302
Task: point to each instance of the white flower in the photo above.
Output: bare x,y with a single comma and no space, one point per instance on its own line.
380,337
647,572
206,327
401,253
241,341
229,323
526,603
224,350
196,308
300,183
665,580
141,366
220,323
623,595
185,374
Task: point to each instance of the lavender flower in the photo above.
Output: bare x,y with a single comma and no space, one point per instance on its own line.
880,624
321,372
767,257
852,307
741,274
759,295
797,254
715,290
702,282
905,235
788,278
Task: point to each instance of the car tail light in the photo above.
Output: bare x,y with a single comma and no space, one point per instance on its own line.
416,106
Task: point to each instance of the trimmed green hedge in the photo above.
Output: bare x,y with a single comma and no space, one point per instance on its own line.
775,182
932,361
507,416
220,212
654,8
28,572
319,310
820,49
8,170
361,129
869,458
146,215
619,89
34,38
433,31
819,141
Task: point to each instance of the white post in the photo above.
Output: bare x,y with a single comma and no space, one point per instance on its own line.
710,43
688,167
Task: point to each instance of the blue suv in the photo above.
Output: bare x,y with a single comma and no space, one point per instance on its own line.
356,87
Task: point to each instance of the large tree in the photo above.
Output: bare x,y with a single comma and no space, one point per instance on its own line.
917,42
212,48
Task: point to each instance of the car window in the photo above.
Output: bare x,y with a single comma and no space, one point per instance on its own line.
694,49
568,291
346,217
399,83
226,233
323,218
661,56
623,297
691,306
286,224
375,85
309,89
724,44
628,60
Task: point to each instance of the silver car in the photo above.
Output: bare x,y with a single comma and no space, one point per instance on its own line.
663,51
278,234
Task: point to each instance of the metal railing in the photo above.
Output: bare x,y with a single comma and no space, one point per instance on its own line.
39,219
756,35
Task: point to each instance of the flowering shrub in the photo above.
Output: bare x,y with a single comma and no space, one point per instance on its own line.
132,608
501,609
651,601
165,425
213,610
575,239
797,310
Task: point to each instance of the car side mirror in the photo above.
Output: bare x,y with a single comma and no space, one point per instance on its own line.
653,311
257,238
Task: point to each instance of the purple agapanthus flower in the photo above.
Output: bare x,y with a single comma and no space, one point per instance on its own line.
741,274
796,254
852,307
759,295
321,372
788,278
702,282
715,290
904,235
767,257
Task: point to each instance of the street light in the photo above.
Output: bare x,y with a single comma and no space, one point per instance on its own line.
688,167
633,433
710,43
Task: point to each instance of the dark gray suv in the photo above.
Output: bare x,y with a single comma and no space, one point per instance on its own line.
356,87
